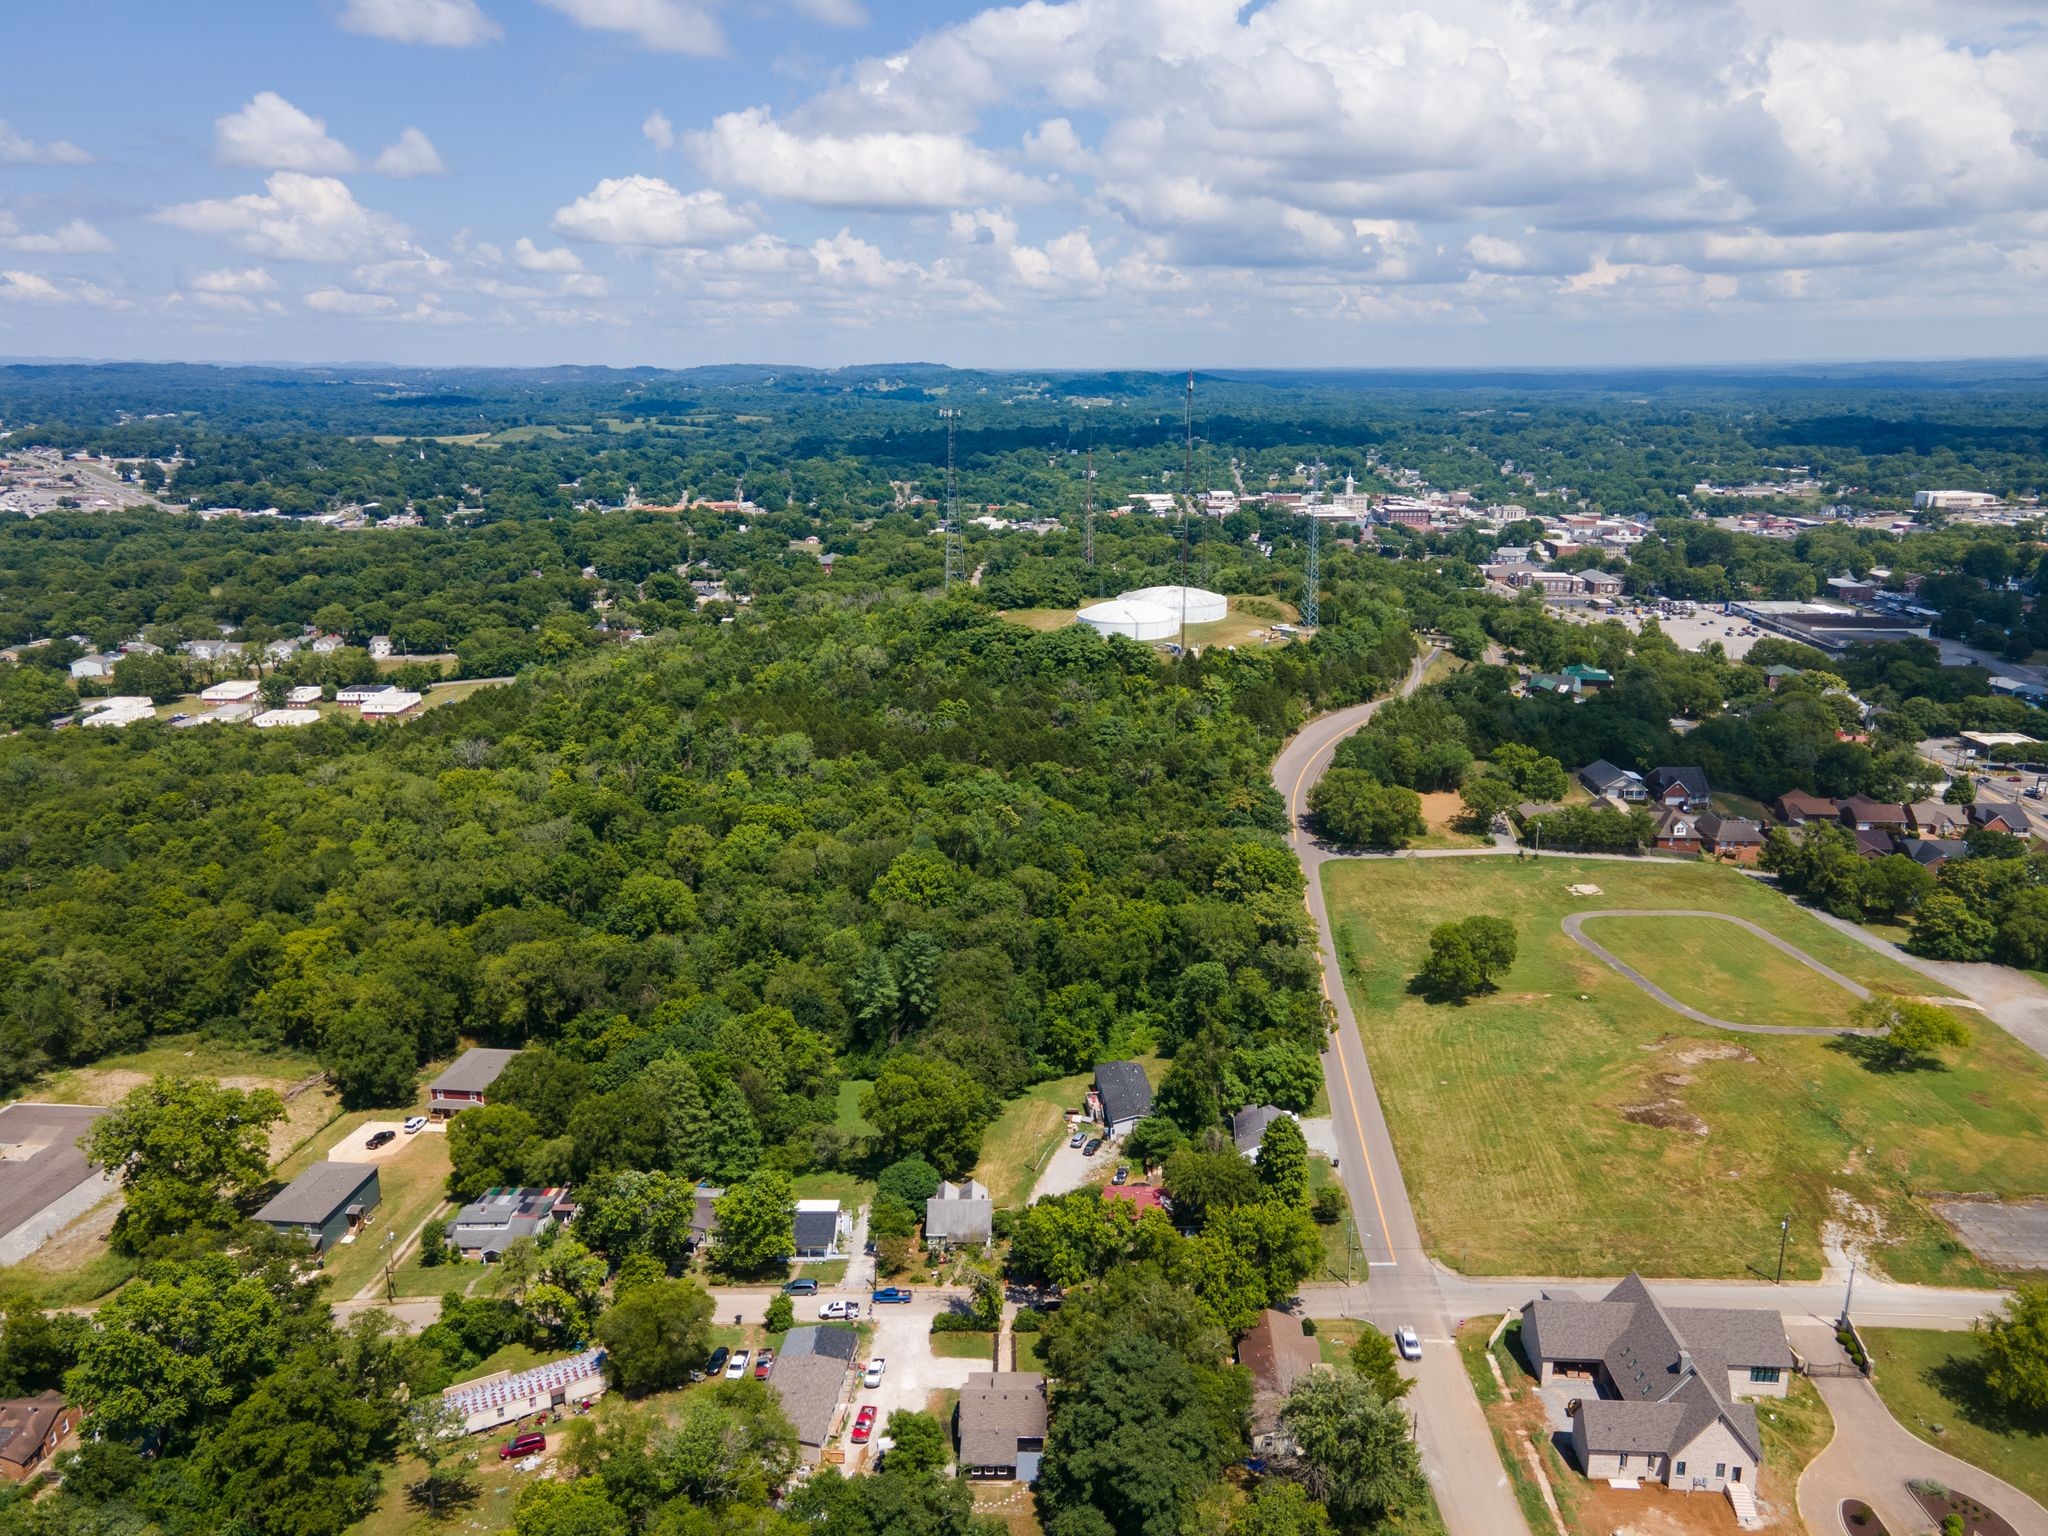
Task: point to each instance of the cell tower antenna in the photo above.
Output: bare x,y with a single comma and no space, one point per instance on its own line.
956,557
1088,517
1187,505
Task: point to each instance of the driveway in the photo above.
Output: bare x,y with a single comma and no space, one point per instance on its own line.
1872,1457
902,1338
1067,1169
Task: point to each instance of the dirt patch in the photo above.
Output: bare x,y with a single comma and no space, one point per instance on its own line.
1853,1233
1666,1115
1693,1055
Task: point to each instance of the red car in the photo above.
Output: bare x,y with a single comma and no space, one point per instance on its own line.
764,1362
522,1445
864,1425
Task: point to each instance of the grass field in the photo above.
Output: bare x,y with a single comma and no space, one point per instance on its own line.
1724,970
964,1346
1928,1378
1024,1135
850,1119
1556,1126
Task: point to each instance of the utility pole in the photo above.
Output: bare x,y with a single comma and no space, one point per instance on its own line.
1784,1231
1187,504
1848,1296
956,557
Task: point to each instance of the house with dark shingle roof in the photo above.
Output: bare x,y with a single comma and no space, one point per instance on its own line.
810,1387
1248,1127
816,1229
1795,808
1002,1420
1665,1386
1122,1096
1999,818
1867,815
467,1081
818,1339
325,1203
1932,818
1933,852
1731,837
1603,778
32,1430
1683,789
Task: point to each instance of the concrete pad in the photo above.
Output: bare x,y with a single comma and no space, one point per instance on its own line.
355,1148
2003,1236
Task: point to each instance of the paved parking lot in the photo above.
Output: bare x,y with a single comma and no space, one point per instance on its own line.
43,1174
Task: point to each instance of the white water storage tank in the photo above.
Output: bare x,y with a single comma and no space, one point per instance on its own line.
1203,606
1121,616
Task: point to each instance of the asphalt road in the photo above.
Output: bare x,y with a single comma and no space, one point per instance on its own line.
1403,1286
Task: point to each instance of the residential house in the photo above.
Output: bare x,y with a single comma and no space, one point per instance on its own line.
833,1342
1866,815
491,1223
282,650
1121,1097
1664,1385
1795,808
508,1396
1731,837
466,1081
1877,842
1604,778
704,1215
326,1203
1141,1197
1774,675
1999,818
1931,818
327,645
380,647
959,1216
1683,789
1248,1127
92,664
210,650
1588,679
1549,683
810,1387
1277,1354
1677,832
1001,1420
1933,852
31,1430
817,1229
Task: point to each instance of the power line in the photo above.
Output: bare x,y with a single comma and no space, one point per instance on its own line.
1312,577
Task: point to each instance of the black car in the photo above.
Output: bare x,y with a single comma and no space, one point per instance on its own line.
381,1139
1092,1148
717,1361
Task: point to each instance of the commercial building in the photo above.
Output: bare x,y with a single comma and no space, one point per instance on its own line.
235,690
324,1204
1830,627
273,719
390,704
467,1080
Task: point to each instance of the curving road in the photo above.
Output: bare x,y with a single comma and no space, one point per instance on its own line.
1575,929
1457,1446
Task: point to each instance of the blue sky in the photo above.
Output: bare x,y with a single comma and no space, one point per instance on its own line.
1052,183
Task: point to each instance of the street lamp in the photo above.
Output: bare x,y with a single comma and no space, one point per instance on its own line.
1784,1231
390,1285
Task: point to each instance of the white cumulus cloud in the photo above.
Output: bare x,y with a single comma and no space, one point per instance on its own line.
17,149
234,280
437,23
533,259
295,218
412,155
834,13
645,210
659,131
271,134
76,238
339,301
668,26
888,170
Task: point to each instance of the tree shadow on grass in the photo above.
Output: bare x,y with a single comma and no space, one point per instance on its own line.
1960,1380
1873,1053
1431,992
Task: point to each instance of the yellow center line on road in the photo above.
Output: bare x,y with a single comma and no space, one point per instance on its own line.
1343,1066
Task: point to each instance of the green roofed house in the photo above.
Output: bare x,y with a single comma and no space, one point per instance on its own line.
1550,682
1585,678
325,1203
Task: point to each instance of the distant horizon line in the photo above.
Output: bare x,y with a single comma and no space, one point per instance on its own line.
1779,365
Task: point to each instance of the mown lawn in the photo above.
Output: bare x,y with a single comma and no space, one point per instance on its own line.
1724,970
1554,1126
1928,1378
1023,1136
850,1119
964,1346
